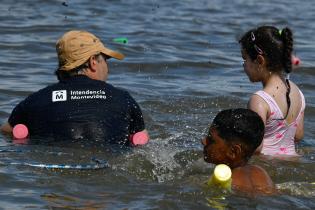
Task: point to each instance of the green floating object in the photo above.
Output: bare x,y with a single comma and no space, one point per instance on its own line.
121,40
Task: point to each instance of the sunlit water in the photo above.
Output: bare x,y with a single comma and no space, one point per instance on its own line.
182,65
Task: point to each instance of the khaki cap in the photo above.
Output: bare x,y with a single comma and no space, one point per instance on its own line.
75,47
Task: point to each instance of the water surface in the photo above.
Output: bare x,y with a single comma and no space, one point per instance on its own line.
183,65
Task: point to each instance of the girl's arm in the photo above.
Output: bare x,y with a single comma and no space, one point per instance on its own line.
258,105
300,129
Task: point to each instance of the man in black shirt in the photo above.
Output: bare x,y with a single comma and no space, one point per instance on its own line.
81,106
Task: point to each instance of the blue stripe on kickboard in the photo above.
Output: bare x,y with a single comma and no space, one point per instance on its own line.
64,166
99,164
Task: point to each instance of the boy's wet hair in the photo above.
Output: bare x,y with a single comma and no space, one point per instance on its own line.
274,44
242,126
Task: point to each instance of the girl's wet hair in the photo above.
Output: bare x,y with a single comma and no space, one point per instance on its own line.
274,44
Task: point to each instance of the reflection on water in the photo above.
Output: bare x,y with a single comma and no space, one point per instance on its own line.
71,202
217,203
183,66
298,189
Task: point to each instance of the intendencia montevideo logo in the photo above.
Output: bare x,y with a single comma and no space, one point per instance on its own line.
61,95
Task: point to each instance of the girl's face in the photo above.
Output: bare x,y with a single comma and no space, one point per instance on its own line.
251,68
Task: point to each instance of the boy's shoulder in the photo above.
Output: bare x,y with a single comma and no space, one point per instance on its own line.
253,180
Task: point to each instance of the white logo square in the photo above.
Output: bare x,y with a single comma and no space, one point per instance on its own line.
59,95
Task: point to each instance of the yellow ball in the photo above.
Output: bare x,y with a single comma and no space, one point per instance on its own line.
222,177
222,173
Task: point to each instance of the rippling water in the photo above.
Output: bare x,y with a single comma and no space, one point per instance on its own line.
182,65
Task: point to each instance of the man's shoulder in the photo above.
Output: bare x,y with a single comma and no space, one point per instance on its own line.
42,91
118,90
87,83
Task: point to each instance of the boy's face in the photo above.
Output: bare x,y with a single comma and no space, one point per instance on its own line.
215,148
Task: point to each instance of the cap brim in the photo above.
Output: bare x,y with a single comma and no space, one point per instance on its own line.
112,53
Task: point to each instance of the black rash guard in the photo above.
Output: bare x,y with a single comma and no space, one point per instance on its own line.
80,108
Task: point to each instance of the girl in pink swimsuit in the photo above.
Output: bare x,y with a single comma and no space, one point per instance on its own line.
267,53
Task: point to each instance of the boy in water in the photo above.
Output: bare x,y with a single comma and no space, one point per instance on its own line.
233,137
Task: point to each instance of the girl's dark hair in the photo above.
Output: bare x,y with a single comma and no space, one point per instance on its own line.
240,125
276,46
